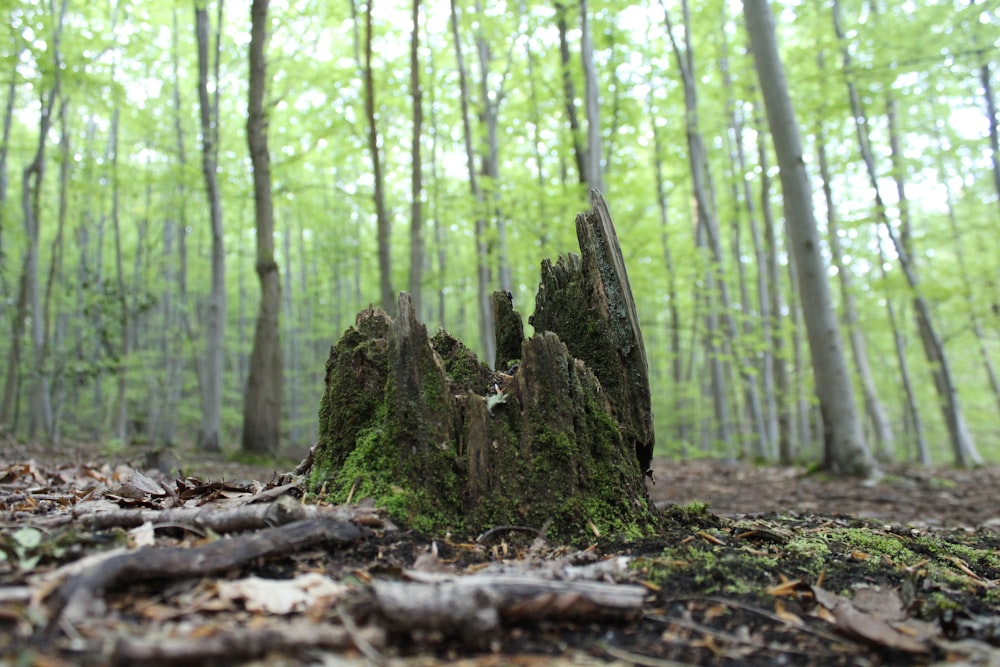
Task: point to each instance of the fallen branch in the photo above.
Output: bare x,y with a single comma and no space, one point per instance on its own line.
472,607
282,511
242,644
80,595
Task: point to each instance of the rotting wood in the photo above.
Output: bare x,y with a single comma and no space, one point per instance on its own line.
221,520
560,433
474,606
588,302
225,646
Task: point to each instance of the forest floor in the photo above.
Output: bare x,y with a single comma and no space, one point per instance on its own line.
781,568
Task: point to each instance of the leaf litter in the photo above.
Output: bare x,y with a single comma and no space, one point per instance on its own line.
107,564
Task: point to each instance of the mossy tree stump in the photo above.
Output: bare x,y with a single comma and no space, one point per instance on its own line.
559,435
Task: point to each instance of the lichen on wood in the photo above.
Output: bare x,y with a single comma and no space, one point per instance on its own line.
556,436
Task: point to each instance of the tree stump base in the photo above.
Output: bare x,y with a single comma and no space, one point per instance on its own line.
558,437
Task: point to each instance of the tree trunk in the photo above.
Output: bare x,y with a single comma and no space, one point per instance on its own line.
783,399
967,287
762,410
569,96
591,93
845,449
429,432
416,179
120,420
962,443
961,439
679,416
884,437
720,322
912,410
209,435
487,341
383,225
262,400
991,118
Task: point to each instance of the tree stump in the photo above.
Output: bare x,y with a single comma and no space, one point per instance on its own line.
559,435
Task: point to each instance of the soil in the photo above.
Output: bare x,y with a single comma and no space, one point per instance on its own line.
924,497
783,567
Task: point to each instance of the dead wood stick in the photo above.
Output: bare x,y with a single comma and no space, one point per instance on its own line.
77,597
221,520
242,644
473,606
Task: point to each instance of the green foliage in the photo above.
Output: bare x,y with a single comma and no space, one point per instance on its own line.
927,55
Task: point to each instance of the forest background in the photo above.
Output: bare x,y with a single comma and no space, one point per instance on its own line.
444,149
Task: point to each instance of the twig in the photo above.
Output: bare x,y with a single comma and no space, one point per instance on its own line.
507,529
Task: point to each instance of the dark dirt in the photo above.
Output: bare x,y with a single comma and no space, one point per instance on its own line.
924,497
785,568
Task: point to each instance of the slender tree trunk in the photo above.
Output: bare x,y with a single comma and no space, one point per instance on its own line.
762,411
708,236
963,446
383,225
40,407
783,398
489,115
292,367
8,118
416,179
54,333
262,400
210,433
569,96
591,93
967,287
961,439
120,419
483,288
177,324
884,438
989,98
912,410
678,407
845,449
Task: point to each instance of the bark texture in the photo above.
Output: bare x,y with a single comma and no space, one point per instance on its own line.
262,400
558,436
846,451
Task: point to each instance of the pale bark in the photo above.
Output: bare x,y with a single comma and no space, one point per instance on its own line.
54,334
8,117
569,96
989,98
8,399
32,177
845,450
591,94
209,435
382,222
262,400
416,178
484,302
762,410
884,437
783,398
967,287
963,445
961,439
679,416
119,426
489,159
912,410
720,309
